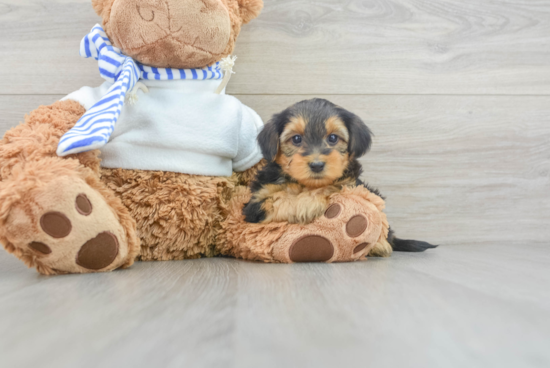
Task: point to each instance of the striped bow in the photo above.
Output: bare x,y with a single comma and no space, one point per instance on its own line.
94,128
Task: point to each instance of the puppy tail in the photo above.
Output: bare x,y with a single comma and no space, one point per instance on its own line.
401,245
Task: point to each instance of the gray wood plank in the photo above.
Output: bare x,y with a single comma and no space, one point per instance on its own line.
455,169
320,47
398,47
458,306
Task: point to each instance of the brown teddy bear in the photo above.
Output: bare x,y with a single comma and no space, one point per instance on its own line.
169,179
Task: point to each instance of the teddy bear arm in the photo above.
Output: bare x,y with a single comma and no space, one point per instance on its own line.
38,136
55,213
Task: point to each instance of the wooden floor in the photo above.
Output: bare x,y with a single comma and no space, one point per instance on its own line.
460,306
458,95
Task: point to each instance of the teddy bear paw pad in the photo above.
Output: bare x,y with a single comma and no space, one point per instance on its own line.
311,248
99,252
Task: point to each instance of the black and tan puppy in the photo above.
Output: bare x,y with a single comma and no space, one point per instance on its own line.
312,149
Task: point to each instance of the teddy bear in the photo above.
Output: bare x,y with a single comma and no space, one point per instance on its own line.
153,165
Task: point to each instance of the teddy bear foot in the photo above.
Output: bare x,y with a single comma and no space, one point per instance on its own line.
63,225
352,227
347,232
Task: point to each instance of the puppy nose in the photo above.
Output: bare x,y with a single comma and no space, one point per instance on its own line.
317,167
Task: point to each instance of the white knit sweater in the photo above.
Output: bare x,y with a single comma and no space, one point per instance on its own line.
180,126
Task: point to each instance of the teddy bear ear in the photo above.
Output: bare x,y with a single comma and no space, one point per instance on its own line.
100,6
250,9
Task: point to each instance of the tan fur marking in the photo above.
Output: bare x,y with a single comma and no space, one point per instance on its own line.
293,203
283,160
298,168
336,126
296,125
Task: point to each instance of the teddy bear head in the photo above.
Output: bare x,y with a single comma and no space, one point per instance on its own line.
176,33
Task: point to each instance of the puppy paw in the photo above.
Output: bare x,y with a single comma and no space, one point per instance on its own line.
350,227
253,212
66,226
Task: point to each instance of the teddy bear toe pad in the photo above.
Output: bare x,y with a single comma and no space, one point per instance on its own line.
356,226
40,248
333,211
56,224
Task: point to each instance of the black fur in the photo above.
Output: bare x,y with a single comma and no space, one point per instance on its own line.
360,135
270,174
268,139
316,112
253,212
401,245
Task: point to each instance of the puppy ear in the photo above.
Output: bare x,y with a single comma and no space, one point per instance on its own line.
360,136
250,9
268,139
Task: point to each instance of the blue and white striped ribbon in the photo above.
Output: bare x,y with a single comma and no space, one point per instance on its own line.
94,128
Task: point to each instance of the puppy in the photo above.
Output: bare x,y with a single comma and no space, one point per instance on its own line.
312,149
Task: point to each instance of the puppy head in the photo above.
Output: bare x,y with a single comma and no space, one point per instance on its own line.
314,141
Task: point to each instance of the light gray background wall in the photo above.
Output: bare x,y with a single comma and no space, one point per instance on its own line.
458,95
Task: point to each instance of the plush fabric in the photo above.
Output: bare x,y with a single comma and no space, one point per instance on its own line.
31,178
72,215
178,216
39,136
180,126
55,212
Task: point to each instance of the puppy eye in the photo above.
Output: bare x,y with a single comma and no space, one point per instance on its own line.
297,140
333,139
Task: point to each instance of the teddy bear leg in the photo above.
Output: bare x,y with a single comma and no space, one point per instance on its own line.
352,227
178,215
57,216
